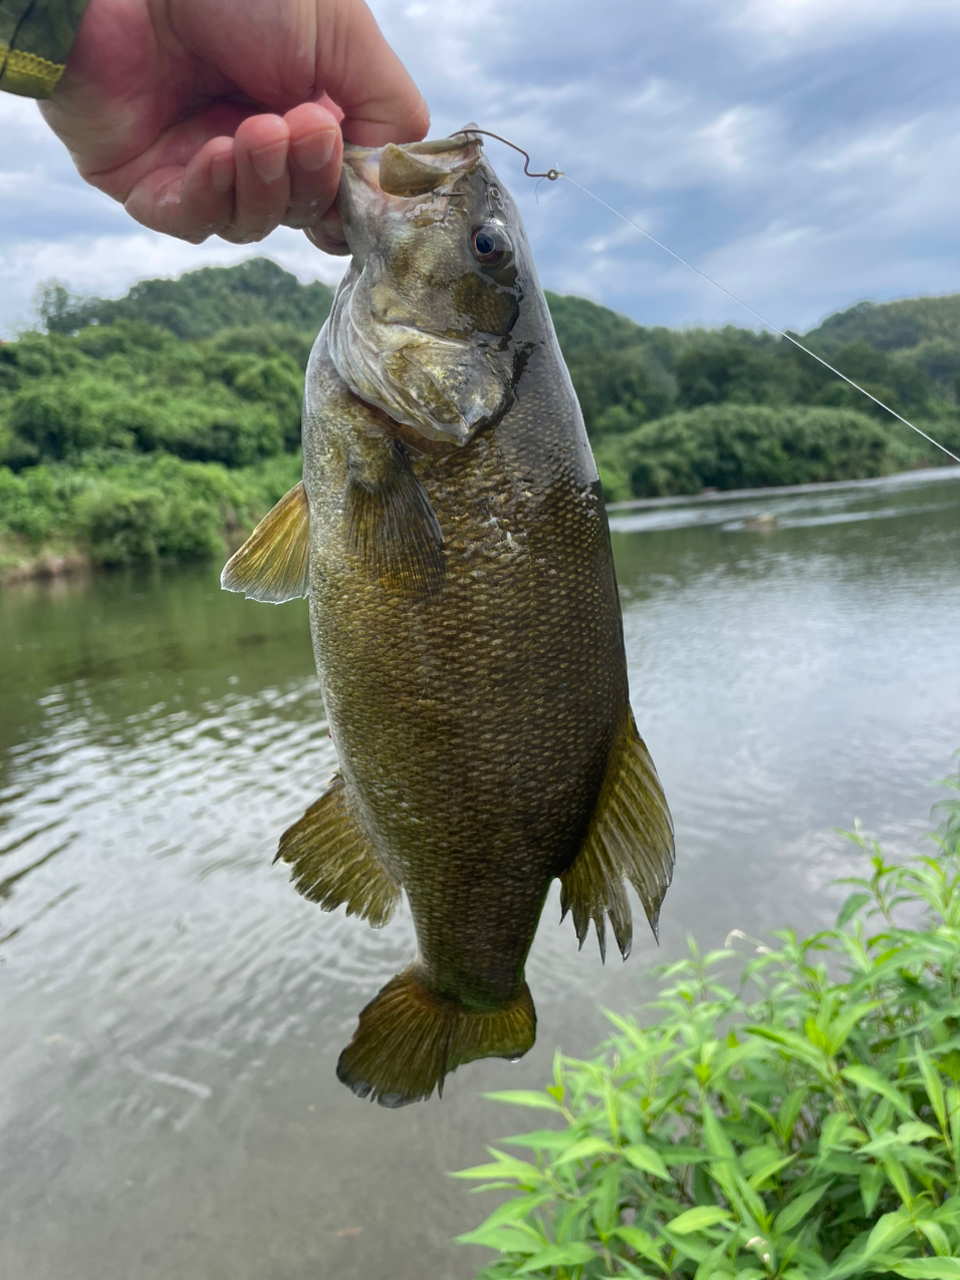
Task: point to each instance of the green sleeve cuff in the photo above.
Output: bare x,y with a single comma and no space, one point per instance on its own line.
36,37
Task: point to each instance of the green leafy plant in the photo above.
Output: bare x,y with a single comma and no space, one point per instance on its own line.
793,1112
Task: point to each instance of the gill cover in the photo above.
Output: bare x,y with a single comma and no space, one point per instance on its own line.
421,326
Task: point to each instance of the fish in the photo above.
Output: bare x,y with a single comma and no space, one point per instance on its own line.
451,537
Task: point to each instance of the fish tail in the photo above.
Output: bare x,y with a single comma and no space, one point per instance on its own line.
409,1038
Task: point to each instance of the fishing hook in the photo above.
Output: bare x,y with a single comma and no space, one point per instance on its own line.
552,174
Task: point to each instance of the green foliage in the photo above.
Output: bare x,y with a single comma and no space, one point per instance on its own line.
160,425
792,1113
208,369
37,503
922,332
199,304
130,386
122,510
626,375
747,446
892,326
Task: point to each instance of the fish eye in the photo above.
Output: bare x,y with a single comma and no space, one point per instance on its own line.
488,246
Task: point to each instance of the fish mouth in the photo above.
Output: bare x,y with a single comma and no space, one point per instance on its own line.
373,178
414,169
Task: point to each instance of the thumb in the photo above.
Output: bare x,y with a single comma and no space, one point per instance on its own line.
366,79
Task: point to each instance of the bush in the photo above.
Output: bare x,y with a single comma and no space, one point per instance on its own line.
159,509
802,1123
748,446
54,422
121,508
37,504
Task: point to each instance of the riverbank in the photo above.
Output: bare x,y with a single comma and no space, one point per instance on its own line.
918,475
18,564
140,528
57,520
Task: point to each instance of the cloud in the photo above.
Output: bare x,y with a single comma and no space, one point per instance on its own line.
803,153
826,22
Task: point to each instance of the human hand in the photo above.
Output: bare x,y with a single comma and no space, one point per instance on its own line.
226,117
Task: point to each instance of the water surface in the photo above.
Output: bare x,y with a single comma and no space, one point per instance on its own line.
171,1012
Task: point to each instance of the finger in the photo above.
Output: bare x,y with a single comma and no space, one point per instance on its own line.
327,234
284,56
206,192
262,189
155,202
316,148
364,76
150,186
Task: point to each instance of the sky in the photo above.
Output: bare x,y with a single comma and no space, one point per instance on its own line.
804,153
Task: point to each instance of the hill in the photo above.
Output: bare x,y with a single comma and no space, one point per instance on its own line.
925,332
199,304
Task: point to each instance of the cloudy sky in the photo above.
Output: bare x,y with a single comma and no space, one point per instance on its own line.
804,153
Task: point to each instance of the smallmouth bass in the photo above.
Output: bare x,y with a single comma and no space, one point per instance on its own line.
451,536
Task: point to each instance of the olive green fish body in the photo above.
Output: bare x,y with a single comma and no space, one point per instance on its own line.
474,724
451,536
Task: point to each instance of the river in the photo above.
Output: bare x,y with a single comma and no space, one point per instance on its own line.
171,1011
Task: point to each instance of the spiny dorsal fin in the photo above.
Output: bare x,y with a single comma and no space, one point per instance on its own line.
393,530
409,1038
273,564
333,861
630,837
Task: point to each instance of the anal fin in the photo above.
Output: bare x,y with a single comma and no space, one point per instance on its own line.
392,528
409,1038
333,861
630,838
273,563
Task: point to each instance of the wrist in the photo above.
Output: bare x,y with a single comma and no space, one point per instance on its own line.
35,41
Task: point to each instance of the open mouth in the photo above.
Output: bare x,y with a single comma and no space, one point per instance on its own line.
415,169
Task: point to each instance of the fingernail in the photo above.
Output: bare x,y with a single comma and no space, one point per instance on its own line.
222,174
270,162
315,151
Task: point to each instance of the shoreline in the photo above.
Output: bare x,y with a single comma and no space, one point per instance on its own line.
46,566
921,475
51,566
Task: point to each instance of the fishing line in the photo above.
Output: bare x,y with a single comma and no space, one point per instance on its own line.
554,174
763,320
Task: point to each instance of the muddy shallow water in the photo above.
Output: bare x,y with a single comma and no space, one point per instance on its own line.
171,1011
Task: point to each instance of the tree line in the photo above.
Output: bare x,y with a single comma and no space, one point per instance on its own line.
163,423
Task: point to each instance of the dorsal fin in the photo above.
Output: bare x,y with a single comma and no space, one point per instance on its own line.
630,837
273,564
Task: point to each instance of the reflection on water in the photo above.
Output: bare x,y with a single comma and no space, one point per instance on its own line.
171,1011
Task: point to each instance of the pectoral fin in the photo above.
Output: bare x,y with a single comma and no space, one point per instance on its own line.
392,528
630,837
333,861
273,563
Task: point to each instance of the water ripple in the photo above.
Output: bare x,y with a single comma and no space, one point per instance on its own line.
159,977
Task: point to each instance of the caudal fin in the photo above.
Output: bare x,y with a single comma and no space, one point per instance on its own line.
408,1039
